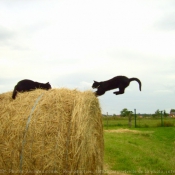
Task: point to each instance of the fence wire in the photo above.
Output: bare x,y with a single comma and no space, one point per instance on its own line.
139,121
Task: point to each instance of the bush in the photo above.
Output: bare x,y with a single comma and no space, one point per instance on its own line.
165,124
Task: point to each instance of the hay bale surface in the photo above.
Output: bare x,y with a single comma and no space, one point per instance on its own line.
56,131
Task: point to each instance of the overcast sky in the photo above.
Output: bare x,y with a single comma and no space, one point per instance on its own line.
70,43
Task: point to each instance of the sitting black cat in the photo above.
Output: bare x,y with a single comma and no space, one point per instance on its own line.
120,82
28,85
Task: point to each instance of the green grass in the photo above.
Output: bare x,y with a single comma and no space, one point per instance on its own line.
150,150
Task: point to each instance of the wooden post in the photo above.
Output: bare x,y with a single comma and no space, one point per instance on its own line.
135,118
107,120
162,124
130,118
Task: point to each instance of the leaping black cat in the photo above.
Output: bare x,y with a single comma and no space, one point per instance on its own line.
28,85
120,82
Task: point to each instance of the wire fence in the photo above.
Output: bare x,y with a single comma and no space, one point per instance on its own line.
137,121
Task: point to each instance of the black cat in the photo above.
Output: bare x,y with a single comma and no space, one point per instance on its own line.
28,85
120,82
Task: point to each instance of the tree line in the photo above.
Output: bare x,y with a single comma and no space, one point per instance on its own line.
125,113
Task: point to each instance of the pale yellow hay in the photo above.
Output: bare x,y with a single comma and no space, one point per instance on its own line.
128,131
64,134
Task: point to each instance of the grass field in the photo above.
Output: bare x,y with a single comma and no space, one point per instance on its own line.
148,150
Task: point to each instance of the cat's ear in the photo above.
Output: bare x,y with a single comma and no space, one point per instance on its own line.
94,81
47,83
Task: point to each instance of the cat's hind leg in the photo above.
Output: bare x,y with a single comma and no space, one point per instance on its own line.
121,90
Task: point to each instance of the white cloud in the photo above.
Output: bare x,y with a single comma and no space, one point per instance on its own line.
85,85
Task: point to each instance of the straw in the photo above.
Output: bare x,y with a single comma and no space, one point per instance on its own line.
64,134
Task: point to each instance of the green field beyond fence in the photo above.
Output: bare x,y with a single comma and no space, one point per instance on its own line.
110,122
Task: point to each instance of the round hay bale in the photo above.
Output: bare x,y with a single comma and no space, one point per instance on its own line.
57,131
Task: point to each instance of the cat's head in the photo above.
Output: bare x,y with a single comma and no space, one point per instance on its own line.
48,86
95,84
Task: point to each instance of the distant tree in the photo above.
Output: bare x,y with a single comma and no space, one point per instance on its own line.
172,111
157,113
114,116
165,113
125,112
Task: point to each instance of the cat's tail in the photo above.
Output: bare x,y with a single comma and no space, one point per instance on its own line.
136,79
14,93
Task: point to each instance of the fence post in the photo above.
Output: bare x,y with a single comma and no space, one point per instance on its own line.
130,118
135,118
107,120
162,119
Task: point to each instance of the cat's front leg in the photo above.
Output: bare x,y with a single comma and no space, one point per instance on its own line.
99,92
